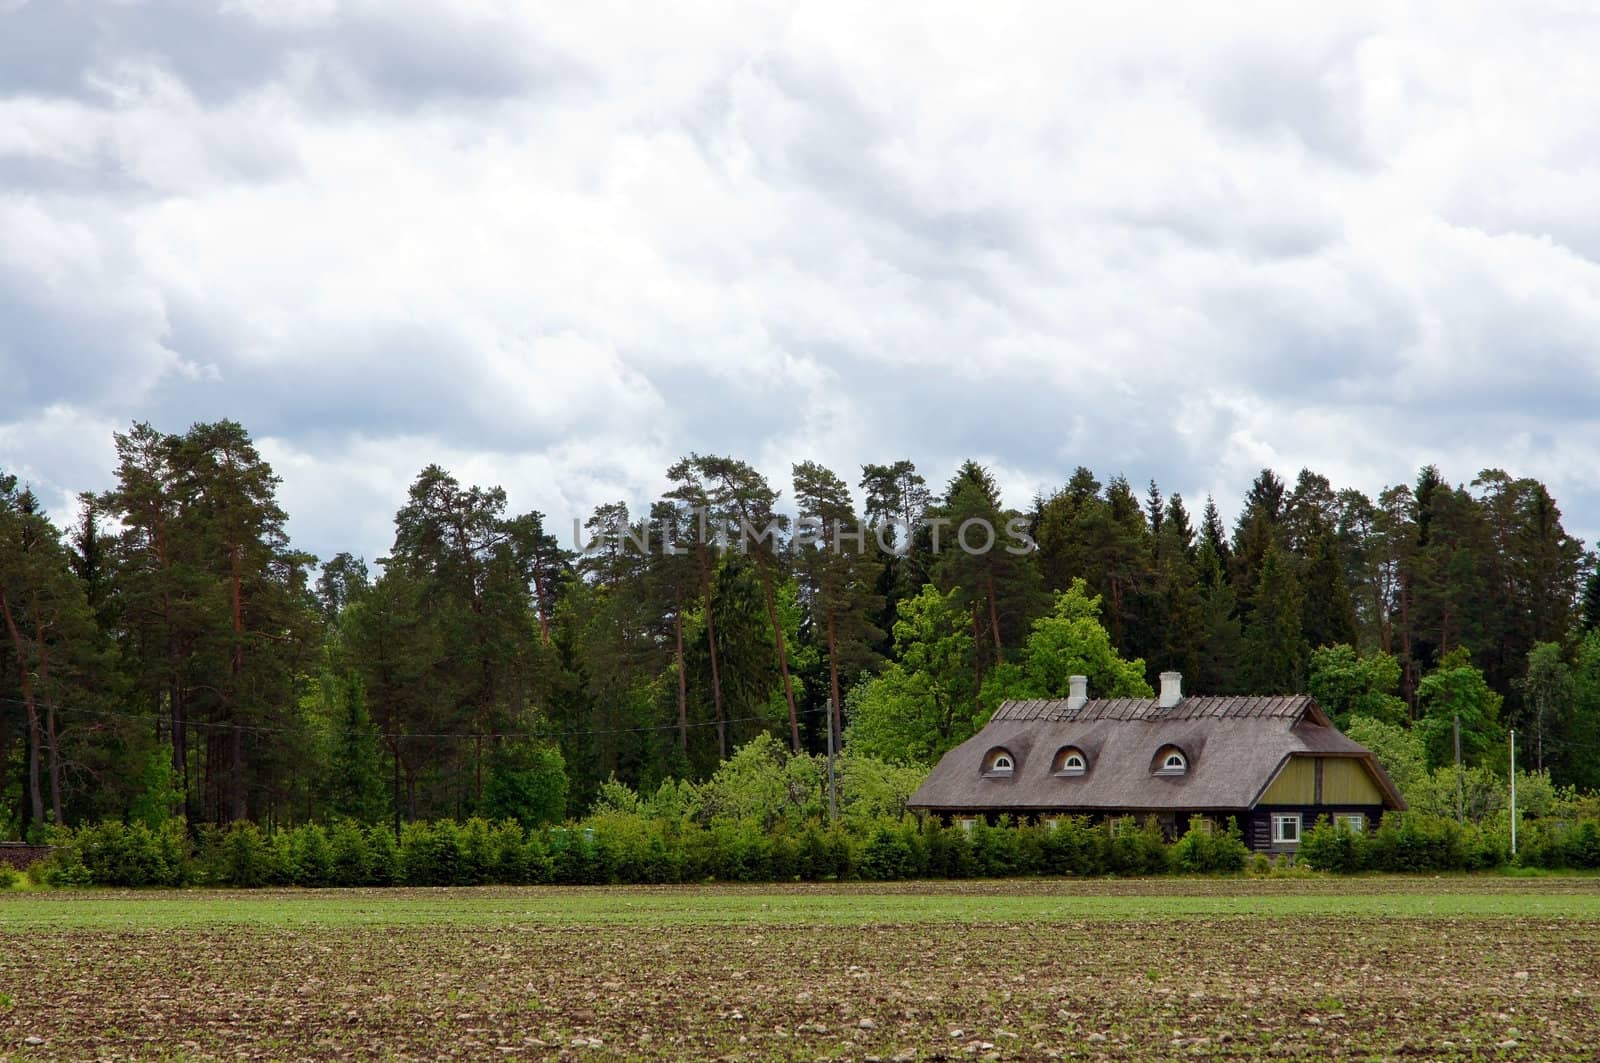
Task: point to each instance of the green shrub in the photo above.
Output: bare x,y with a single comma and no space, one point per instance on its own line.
1582,846
351,855
1071,846
508,854
575,858
1413,842
824,856
888,857
1329,846
243,857
430,853
383,856
1206,850
61,870
120,855
999,852
310,860
477,852
9,877
280,858
1138,851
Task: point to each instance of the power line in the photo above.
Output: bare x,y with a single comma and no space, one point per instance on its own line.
346,732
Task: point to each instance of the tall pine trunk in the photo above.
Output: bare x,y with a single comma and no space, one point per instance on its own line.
711,642
837,710
683,678
538,602
51,745
25,676
994,617
238,807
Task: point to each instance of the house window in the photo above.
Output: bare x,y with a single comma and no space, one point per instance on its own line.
1171,761
1355,821
967,823
1071,761
999,762
1286,828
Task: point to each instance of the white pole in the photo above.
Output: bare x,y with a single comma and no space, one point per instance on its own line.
833,784
1513,792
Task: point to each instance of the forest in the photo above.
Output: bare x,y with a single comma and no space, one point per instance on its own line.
171,653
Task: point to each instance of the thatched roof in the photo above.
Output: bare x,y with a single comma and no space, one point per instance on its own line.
1234,747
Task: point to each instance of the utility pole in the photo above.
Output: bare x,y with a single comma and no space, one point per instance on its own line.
833,782
1513,792
1460,810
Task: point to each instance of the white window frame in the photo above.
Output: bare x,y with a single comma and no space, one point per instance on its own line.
1279,819
1170,768
1356,821
1069,768
999,763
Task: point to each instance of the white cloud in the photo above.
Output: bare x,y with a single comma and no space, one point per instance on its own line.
557,249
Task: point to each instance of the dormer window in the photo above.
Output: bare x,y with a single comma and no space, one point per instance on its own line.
1171,761
1070,761
999,763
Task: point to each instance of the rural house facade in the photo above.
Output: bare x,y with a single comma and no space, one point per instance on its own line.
1274,764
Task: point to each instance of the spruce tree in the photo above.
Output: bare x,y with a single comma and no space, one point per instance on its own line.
356,787
1275,649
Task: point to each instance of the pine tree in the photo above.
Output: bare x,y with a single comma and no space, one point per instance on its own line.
837,577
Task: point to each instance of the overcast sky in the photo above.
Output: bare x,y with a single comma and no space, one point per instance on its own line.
555,250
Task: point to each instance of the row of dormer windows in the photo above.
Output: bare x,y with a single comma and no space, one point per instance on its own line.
1070,761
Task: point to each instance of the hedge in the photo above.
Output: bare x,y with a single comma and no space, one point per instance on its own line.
629,847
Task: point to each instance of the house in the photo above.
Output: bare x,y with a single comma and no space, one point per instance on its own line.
1274,764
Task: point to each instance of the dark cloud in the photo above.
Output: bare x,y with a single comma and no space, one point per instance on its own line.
379,55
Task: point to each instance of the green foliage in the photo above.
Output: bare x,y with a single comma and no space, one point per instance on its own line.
350,856
116,854
1399,751
1137,849
242,856
1456,688
1485,794
527,782
1346,685
1415,842
1275,647
1070,641
924,704
1410,842
157,793
1069,845
872,790
356,785
430,854
1206,849
1332,847
310,856
383,856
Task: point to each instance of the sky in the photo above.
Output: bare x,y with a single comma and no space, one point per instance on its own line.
556,246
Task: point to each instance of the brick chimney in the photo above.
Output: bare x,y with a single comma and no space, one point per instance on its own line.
1171,689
